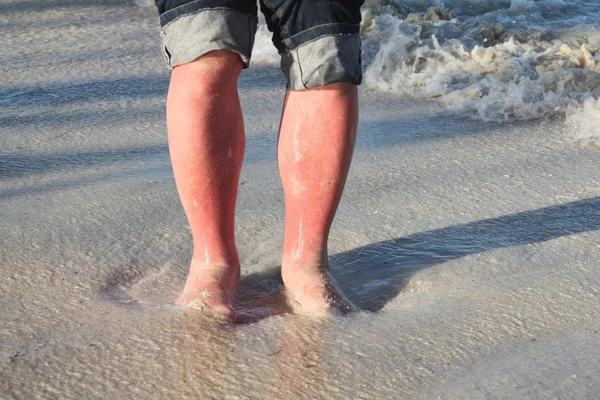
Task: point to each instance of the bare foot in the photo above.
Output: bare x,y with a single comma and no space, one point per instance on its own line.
315,289
212,286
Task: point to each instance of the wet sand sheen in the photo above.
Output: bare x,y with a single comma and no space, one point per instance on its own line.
471,248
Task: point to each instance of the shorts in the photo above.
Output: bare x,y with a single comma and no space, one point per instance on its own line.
318,40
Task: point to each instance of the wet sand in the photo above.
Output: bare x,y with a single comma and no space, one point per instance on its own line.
472,247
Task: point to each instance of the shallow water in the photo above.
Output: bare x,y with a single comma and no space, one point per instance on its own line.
471,247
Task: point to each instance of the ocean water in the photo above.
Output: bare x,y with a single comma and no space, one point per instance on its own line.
490,60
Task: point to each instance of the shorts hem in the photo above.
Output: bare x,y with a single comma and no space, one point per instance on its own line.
190,36
326,59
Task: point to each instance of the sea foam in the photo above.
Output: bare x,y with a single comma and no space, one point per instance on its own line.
494,61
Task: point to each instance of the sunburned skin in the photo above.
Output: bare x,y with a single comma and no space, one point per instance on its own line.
316,292
206,142
316,141
212,286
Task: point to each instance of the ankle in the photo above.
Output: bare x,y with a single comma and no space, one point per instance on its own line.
203,262
292,266
306,258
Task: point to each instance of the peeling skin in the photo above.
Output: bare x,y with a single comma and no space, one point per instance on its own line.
300,246
296,142
297,186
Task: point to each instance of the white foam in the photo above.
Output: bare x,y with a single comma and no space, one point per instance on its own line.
264,52
490,60
494,61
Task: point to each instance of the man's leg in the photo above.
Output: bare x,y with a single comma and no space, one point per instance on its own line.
206,142
316,141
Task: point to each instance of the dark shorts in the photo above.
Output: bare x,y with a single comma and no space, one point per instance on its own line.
318,40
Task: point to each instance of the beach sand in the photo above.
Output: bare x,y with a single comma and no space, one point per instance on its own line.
473,247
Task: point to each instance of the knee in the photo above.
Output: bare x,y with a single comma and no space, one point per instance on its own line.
214,71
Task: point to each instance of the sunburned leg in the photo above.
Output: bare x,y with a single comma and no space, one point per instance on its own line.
206,142
316,141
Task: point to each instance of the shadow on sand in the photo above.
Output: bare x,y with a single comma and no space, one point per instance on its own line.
375,274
